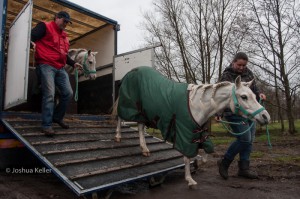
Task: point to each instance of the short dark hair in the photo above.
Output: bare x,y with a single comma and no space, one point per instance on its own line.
240,55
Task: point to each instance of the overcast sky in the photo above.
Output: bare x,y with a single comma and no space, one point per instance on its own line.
128,13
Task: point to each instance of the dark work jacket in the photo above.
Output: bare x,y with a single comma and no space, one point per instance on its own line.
230,75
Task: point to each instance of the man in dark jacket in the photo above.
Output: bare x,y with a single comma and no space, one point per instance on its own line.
243,143
51,46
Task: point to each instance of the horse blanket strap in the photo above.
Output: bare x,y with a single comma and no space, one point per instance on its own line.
163,101
204,142
200,130
201,140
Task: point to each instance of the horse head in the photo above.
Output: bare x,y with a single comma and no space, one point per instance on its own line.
89,64
245,104
87,59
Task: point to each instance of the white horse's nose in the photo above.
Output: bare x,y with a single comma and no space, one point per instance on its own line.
92,76
265,118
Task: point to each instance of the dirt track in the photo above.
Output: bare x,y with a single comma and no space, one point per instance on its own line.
278,180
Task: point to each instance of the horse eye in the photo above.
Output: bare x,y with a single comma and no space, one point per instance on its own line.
90,62
244,97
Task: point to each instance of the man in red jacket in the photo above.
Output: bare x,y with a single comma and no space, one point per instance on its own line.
51,55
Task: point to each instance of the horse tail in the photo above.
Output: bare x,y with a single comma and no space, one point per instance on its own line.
114,108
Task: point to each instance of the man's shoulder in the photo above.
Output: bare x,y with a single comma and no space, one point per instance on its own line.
228,74
249,73
228,69
41,24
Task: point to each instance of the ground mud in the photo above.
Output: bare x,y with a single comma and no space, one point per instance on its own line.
278,169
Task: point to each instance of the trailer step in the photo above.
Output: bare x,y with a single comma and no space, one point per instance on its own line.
86,157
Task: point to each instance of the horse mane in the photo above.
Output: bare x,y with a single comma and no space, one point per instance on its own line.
219,85
75,52
205,87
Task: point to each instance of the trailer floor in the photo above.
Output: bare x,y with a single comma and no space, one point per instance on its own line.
86,158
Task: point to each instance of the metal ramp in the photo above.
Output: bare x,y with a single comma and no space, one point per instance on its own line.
86,158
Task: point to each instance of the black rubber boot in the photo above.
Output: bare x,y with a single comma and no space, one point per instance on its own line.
244,170
223,165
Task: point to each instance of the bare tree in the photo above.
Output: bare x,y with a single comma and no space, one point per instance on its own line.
193,36
275,47
200,37
225,14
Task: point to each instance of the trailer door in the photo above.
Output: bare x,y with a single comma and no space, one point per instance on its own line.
18,58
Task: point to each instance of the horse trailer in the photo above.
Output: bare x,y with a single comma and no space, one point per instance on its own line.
84,157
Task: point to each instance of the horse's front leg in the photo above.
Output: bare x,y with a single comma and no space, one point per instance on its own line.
200,159
118,130
188,176
143,145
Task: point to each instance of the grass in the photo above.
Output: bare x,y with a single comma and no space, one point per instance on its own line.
273,127
222,137
257,154
222,140
288,159
276,126
276,136
154,132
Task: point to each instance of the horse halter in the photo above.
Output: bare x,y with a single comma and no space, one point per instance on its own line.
85,68
238,107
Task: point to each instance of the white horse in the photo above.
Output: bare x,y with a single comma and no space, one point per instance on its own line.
203,101
87,59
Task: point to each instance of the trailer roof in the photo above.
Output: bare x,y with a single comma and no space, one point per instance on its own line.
84,21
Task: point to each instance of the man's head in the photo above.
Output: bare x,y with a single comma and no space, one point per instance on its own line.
62,19
239,63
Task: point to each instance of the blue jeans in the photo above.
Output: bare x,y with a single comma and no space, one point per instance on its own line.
243,143
50,78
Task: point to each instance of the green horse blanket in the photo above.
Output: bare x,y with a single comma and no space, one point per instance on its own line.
146,96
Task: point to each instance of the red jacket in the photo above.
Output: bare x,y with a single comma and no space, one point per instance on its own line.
53,48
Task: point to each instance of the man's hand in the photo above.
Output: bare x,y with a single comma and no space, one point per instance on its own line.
262,96
78,66
33,45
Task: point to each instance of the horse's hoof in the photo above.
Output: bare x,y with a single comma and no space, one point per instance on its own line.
191,183
146,154
117,139
193,186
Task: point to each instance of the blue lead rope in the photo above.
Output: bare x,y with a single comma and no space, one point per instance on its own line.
235,123
76,82
86,72
268,136
243,123
267,127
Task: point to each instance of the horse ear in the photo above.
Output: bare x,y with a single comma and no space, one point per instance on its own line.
94,53
238,81
249,83
89,52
